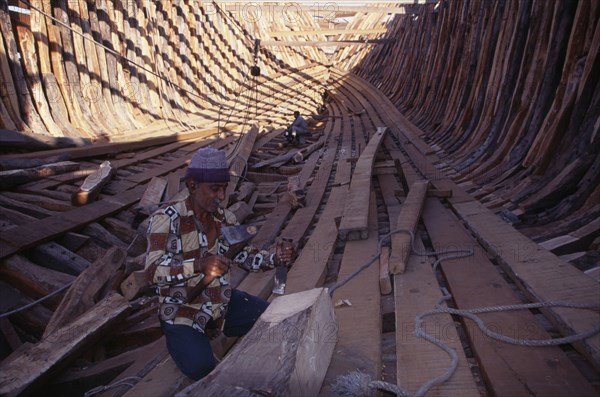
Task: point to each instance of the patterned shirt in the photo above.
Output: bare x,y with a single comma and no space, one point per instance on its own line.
175,239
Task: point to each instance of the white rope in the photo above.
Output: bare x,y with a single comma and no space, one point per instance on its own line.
360,384
129,381
449,254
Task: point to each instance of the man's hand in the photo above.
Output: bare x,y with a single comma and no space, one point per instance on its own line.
212,266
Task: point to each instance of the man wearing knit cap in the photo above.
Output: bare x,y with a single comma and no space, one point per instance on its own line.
190,260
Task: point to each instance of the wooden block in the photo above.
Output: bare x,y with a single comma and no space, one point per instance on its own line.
241,210
135,284
385,283
93,184
39,363
407,221
293,341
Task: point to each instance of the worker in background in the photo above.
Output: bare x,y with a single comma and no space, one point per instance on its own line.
189,260
296,131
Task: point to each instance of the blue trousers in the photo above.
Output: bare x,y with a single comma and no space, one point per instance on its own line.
190,349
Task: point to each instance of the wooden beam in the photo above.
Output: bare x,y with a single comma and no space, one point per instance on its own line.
80,296
407,221
12,178
359,325
337,43
474,282
539,273
34,280
327,32
324,10
238,161
105,370
100,149
41,361
46,229
354,222
293,341
419,361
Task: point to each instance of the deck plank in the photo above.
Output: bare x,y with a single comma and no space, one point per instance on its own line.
475,282
541,274
418,361
354,224
359,325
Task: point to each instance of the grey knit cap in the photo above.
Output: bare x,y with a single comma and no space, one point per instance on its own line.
208,165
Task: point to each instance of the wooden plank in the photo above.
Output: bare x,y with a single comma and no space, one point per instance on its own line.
28,371
33,320
594,273
238,160
43,201
474,282
175,164
419,361
261,283
12,178
29,235
103,371
173,185
282,159
407,221
324,43
354,223
539,273
293,340
359,325
325,9
100,149
152,196
308,270
15,164
326,32
118,164
80,296
391,116
10,334
34,280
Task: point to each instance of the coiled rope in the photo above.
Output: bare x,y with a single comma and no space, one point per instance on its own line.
358,383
